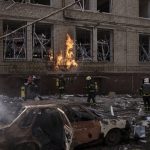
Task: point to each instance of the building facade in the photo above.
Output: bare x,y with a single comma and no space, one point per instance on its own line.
111,43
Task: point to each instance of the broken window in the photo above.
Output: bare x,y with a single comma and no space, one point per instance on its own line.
103,5
144,8
83,4
42,45
43,2
48,128
104,41
83,44
144,47
14,44
76,113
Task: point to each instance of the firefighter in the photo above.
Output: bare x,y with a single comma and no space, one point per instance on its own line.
145,92
91,89
60,84
31,87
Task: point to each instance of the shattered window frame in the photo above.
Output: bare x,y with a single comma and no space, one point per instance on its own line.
39,2
83,4
144,47
83,44
104,45
42,43
106,8
14,45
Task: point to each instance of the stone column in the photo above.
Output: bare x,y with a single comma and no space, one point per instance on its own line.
29,43
94,41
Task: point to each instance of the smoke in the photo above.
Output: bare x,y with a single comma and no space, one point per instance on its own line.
9,109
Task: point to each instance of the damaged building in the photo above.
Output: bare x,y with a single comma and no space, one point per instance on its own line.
111,43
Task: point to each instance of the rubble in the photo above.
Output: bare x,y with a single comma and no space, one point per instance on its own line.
124,106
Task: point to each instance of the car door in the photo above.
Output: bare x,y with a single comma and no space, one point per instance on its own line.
86,127
68,129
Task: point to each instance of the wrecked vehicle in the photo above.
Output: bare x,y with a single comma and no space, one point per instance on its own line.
86,126
114,129
44,124
89,127
37,127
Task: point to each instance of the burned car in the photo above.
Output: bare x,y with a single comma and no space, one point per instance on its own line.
114,129
86,127
36,127
89,127
45,125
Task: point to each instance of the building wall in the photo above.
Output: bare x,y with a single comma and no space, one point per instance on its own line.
123,21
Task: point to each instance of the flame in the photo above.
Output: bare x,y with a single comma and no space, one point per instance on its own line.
59,61
68,59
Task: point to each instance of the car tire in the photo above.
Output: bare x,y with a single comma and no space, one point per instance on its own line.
113,137
26,146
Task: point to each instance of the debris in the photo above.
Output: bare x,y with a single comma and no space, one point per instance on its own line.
139,131
112,94
112,111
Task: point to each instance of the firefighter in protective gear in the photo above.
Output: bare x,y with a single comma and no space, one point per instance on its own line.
91,89
145,93
60,84
31,87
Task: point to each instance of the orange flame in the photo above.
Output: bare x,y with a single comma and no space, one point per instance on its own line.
59,61
68,60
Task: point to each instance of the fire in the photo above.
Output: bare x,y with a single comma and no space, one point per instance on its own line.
59,61
67,60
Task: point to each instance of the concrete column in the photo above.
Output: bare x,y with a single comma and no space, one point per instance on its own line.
94,41
132,8
60,35
132,48
29,43
1,41
118,7
120,48
93,5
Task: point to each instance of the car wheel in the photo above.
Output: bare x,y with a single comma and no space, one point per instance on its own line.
113,137
26,146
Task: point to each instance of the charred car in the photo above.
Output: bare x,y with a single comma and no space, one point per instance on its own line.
90,127
36,127
44,125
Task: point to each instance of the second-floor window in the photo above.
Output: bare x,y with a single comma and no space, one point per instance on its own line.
42,45
15,44
83,4
83,44
104,45
144,8
103,5
144,48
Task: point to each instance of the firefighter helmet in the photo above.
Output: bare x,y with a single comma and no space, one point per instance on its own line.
146,80
88,78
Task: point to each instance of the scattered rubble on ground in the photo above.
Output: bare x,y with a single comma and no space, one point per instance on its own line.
121,106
